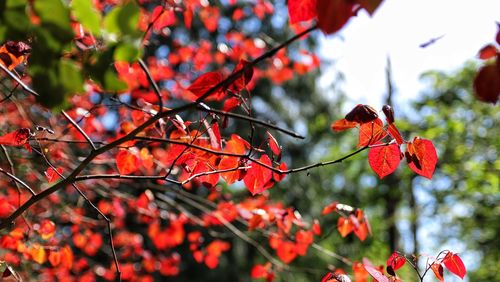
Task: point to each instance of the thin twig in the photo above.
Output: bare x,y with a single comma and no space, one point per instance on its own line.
79,130
18,80
13,177
151,80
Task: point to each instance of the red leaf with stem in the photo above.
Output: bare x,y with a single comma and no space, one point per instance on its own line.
371,132
424,156
454,264
396,261
273,144
343,124
53,175
384,160
257,176
437,268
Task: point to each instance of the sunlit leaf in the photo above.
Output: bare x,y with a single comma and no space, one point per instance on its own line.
371,132
396,261
437,268
454,264
343,124
424,156
127,162
384,160
301,10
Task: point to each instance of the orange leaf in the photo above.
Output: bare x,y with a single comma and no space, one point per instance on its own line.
343,124
47,229
371,132
384,160
394,132
38,253
362,229
437,268
55,258
304,239
330,208
424,156
454,264
217,247
344,226
126,162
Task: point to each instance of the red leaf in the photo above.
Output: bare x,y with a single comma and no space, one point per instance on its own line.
330,208
335,277
423,150
394,132
52,175
304,239
126,162
344,226
204,83
362,229
362,114
487,52
487,84
19,137
258,176
396,261
301,10
371,132
243,78
454,264
286,251
384,160
316,228
334,14
343,124
437,268
273,144
211,261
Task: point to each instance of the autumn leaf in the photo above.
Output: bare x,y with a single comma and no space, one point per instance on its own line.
371,132
19,137
204,83
362,229
47,229
384,160
454,264
53,175
344,226
301,10
374,272
424,156
343,124
273,144
370,5
329,208
257,176
437,268
487,52
396,261
127,162
362,114
334,14
487,84
286,251
243,78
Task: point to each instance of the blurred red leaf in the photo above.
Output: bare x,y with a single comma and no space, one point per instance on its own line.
53,175
384,160
286,251
487,84
343,124
316,228
329,208
301,10
303,240
454,264
374,272
244,78
487,52
396,261
362,229
19,137
437,268
126,162
371,132
360,273
425,153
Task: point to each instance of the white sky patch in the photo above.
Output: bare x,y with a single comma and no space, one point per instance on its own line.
397,30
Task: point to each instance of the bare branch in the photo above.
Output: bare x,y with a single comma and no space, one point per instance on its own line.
79,130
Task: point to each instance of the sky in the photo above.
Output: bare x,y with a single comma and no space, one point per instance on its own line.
396,30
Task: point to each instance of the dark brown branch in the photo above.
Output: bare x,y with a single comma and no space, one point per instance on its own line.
79,130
